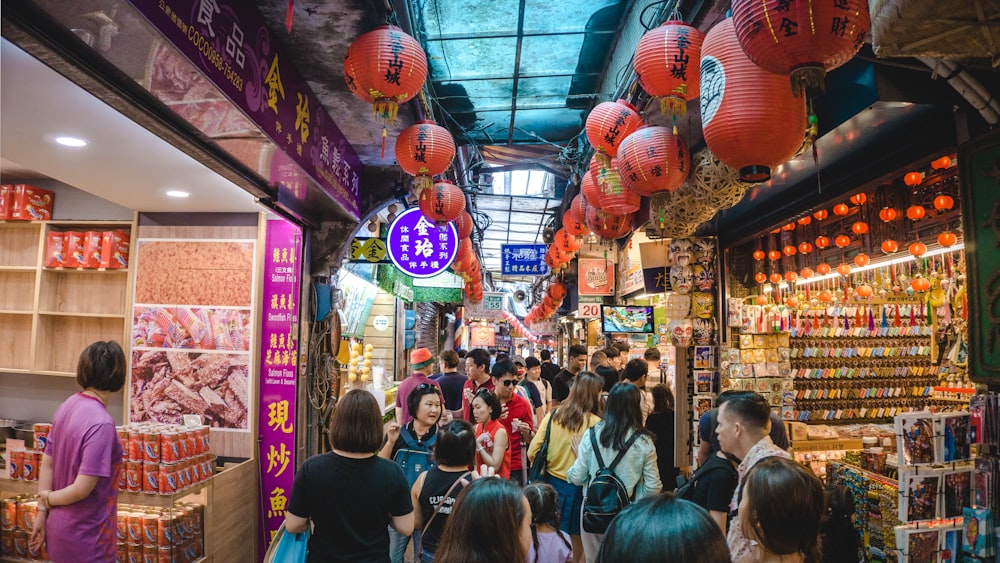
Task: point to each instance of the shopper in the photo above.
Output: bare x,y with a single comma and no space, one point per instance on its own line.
635,373
549,544
525,388
492,440
544,387
564,379
605,363
451,382
780,513
663,528
410,447
461,361
516,417
422,364
744,423
490,523
620,433
624,348
709,440
435,491
838,533
580,411
549,368
661,423
78,478
350,494
653,357
477,369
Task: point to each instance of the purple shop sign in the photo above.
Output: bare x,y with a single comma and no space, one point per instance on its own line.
418,247
278,373
230,43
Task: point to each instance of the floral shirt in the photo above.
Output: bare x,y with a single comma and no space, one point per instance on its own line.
739,545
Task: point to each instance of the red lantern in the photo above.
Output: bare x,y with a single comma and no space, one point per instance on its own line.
841,209
423,150
825,296
608,226
889,246
859,199
943,202
844,269
805,247
801,38
915,212
920,283
578,207
574,227
822,242
758,255
567,242
385,67
821,214
665,62
865,290
913,179
806,273
775,277
918,249
774,255
859,228
652,160
862,260
888,214
608,124
442,203
761,277
823,269
842,241
790,276
464,224
588,186
941,163
805,220
947,239
613,197
788,227
742,101
557,291
761,300
789,250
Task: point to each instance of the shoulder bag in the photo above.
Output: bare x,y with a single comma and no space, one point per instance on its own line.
539,467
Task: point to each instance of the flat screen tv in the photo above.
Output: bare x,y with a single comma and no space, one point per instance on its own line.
622,318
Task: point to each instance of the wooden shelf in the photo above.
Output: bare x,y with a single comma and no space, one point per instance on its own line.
60,339
84,315
14,370
66,291
85,270
17,268
54,373
15,312
57,223
19,242
15,346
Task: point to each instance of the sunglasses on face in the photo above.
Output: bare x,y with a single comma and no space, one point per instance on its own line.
509,382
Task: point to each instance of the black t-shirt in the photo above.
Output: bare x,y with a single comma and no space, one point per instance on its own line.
662,425
451,387
610,377
350,502
561,384
533,392
716,484
436,484
549,371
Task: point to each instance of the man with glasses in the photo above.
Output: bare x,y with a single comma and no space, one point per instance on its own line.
422,364
516,417
477,369
575,363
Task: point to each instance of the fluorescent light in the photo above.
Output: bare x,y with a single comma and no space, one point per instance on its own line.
872,266
178,193
71,142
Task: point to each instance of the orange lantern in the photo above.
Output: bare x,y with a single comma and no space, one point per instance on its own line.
761,300
806,273
859,228
774,255
788,227
842,241
588,186
943,202
844,269
653,159
823,269
666,63
805,220
557,291
612,195
607,225
423,150
790,276
841,209
888,214
567,242
464,224
889,246
385,67
913,179
789,250
805,247
792,302
862,260
822,242
941,163
775,277
825,296
578,207
859,199
865,291
761,277
920,283
574,227
915,212
947,239
607,126
821,214
758,255
918,249
443,202
740,101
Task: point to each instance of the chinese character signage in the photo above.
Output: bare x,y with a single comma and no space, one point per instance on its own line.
278,372
229,42
418,247
523,259
368,250
597,276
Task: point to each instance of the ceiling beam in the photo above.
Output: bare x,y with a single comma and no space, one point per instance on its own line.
517,70
494,35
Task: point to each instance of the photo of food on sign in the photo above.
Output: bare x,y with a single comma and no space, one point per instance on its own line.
202,328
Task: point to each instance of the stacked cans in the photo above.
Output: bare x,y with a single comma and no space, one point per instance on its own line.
17,517
23,464
164,459
170,535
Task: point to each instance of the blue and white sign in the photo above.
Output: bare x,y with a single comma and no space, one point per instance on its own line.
418,247
523,259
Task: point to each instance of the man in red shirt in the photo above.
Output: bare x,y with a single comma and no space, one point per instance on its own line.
477,368
516,418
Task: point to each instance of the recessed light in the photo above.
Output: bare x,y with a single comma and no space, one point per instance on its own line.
71,142
177,193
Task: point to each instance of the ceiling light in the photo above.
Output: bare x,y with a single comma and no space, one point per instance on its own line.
71,142
178,193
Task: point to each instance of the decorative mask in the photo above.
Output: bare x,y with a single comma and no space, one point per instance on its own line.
677,306
681,279
703,304
704,276
680,332
680,252
705,247
703,331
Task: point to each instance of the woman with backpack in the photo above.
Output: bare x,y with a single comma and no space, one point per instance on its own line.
410,447
616,465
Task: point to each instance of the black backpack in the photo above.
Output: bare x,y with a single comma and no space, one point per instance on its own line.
606,495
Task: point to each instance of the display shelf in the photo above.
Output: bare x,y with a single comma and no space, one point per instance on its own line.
61,338
85,315
14,312
84,270
65,291
124,497
15,346
17,268
19,242
54,373
17,290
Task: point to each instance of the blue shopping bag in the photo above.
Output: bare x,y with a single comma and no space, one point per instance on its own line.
287,547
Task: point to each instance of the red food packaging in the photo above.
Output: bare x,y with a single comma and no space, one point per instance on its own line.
6,192
135,445
92,249
133,476
21,544
134,528
164,532
166,555
55,250
7,543
150,477
29,203
123,438
169,448
15,461
73,249
41,434
133,553
27,511
122,528
151,446
114,249
122,553
149,524
29,468
168,478
8,514
150,553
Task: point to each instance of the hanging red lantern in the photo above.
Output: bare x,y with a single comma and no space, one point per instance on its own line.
920,283
574,227
918,249
608,226
821,214
947,239
807,273
653,159
557,291
441,203
805,220
578,207
666,64
888,214
791,302
859,199
775,277
801,38
805,247
761,277
941,163
889,246
844,269
588,186
823,269
859,228
841,209
607,126
385,67
741,101
915,212
842,241
822,242
424,150
788,227
791,276
943,202
913,179
761,300
865,290
612,195
464,225
567,242
758,255
825,296
774,255
862,260
789,250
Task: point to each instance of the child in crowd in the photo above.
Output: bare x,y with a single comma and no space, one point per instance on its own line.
548,543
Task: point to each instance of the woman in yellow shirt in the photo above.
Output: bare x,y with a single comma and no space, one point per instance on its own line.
580,411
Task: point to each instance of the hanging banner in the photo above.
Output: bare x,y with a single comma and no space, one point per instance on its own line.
418,247
523,259
597,276
655,260
491,307
278,373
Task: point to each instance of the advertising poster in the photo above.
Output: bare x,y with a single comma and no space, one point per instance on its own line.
597,276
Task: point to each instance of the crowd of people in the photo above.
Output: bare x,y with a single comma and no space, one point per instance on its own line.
511,461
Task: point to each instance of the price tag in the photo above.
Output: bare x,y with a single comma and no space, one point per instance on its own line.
589,310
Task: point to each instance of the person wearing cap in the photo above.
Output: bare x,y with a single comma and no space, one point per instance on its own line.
544,388
525,388
422,364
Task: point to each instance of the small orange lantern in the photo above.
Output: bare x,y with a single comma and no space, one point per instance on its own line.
941,163
822,242
761,300
920,283
865,291
821,214
758,255
859,228
774,255
888,214
859,199
789,250
913,179
805,220
943,202
862,260
792,302
918,249
915,212
841,209
807,273
464,225
788,227
825,296
844,269
947,239
790,276
761,277
842,241
889,246
805,247
775,277
823,269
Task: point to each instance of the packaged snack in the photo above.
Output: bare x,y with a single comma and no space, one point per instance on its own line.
92,249
6,193
114,249
55,247
73,249
29,203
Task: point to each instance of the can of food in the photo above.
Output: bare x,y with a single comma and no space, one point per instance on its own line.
14,463
123,438
164,531
135,445
8,514
196,476
26,513
168,478
41,435
133,476
133,553
183,474
149,523
205,439
122,476
34,554
150,477
29,467
165,555
121,553
122,527
7,543
135,533
21,544
151,447
169,448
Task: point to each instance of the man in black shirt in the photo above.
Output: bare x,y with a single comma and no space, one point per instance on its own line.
451,382
575,363
549,368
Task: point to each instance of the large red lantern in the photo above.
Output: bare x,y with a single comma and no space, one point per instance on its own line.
758,255
385,67
789,250
823,268
588,186
889,246
841,209
443,202
822,242
918,249
653,159
915,212
578,207
888,214
944,202
842,241
774,255
775,277
859,228
607,126
741,101
557,291
666,64
947,239
801,38
862,260
463,224
423,150
805,247
574,227
608,226
761,277
567,242
613,197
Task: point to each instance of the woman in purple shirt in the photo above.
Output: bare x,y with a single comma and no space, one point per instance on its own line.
78,481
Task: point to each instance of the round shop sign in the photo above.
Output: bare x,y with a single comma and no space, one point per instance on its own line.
380,322
418,247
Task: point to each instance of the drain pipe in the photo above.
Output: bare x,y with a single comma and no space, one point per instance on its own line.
967,86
